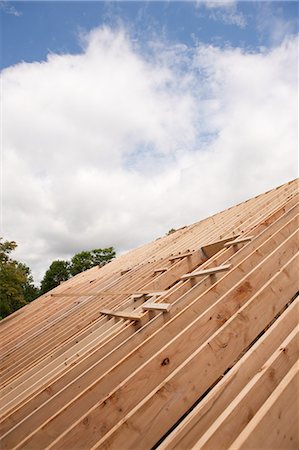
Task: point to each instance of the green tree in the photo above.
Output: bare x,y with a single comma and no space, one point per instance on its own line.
88,259
30,291
15,281
58,271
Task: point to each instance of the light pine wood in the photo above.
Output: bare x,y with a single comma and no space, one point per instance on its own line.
182,255
206,413
276,423
72,377
235,256
121,314
239,241
210,250
157,307
219,353
111,377
211,271
225,345
246,404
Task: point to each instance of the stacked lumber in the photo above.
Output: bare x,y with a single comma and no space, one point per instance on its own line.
190,341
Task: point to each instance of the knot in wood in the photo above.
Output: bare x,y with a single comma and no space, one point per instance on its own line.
85,421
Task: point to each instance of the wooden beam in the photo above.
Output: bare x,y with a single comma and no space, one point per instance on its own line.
181,255
156,368
166,360
204,415
193,294
178,267
162,269
276,423
251,398
165,307
91,294
213,357
104,292
205,272
156,293
239,241
137,295
121,314
203,304
210,250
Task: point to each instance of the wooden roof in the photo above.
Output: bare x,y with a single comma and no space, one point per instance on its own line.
190,341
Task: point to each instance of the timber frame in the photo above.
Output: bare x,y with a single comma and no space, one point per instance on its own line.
191,341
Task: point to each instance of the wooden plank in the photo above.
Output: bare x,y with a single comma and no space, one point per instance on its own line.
162,408
121,314
230,423
281,254
156,294
23,386
162,269
181,255
139,294
136,296
204,415
284,193
212,356
157,307
172,275
210,250
183,272
239,241
242,250
259,204
91,294
276,423
205,272
119,357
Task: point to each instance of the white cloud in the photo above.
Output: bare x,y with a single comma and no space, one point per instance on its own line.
272,26
230,17
216,3
115,147
9,9
225,11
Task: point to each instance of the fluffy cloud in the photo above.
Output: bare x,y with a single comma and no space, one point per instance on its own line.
119,144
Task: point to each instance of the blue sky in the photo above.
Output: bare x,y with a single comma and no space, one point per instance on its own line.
31,30
123,120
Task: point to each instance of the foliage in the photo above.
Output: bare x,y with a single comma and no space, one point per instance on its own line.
30,291
62,270
58,271
16,283
172,230
88,259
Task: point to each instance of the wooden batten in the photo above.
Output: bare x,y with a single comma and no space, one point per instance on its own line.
210,250
238,241
165,307
211,271
181,255
210,366
155,293
121,314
